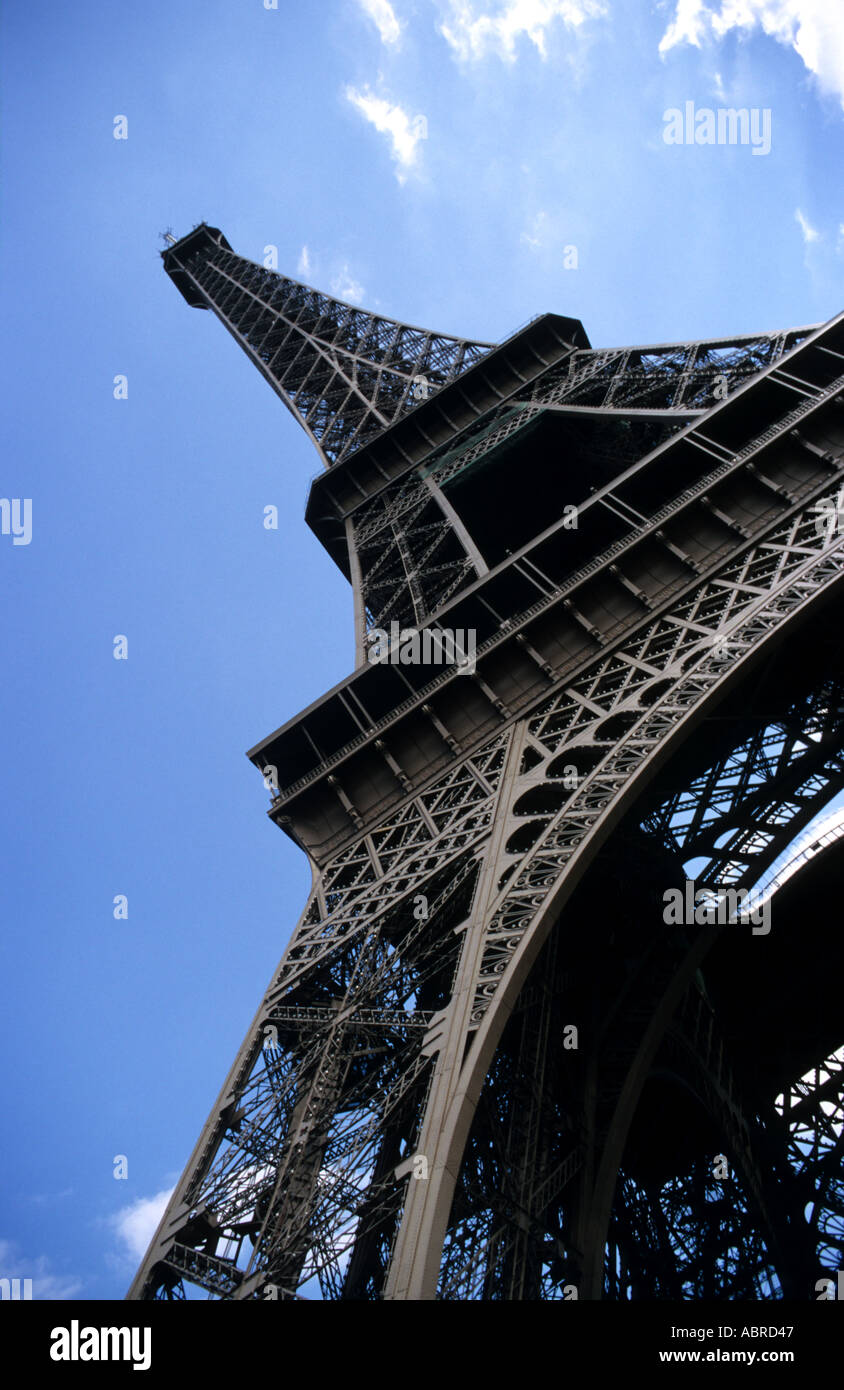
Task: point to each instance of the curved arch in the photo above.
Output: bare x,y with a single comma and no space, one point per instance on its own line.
418,1250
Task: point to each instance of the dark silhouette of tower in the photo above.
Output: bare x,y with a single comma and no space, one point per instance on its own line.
598,598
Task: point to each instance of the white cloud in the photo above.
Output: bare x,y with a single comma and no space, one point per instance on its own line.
688,25
549,235
472,34
383,17
304,267
535,238
344,286
135,1225
45,1284
813,28
809,233
404,131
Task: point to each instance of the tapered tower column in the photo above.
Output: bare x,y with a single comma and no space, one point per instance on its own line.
598,598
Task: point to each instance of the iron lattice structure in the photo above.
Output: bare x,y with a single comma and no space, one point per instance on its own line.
486,1067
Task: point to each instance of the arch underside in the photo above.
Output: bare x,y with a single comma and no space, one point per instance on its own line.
747,1077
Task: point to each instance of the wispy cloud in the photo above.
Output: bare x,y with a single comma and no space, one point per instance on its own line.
384,18
45,1283
473,29
304,266
43,1199
135,1224
809,232
548,235
813,28
404,131
346,287
536,237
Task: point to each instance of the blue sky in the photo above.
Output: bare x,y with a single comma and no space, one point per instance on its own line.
432,159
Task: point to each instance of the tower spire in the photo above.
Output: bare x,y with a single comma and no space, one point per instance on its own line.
345,373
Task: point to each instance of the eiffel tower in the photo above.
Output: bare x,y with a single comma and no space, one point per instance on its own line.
491,1064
